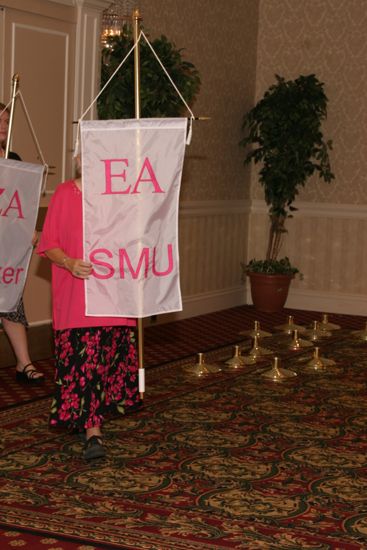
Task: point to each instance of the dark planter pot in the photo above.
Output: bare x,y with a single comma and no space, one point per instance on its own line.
269,292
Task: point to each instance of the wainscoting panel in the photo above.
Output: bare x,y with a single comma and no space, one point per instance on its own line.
40,49
327,243
213,237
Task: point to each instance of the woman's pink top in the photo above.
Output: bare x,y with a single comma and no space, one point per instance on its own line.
63,228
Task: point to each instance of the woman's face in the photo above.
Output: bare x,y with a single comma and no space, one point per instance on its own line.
4,126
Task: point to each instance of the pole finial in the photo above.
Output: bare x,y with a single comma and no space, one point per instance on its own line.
136,13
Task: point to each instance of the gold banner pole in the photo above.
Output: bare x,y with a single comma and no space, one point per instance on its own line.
15,83
136,30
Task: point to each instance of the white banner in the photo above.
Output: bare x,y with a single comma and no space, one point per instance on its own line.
20,190
131,175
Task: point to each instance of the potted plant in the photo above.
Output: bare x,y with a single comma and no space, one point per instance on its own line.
158,98
284,133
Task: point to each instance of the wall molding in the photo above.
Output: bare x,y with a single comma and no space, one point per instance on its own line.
215,207
317,210
101,4
256,206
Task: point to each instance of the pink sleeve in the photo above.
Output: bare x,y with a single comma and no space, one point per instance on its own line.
50,232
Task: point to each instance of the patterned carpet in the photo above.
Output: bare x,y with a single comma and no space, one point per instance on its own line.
230,460
164,343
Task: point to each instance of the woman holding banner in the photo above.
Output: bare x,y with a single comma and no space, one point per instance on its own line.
96,357
15,323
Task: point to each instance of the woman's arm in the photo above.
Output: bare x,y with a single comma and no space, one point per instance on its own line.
77,267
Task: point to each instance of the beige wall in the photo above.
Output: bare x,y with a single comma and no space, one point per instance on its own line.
220,39
328,38
327,235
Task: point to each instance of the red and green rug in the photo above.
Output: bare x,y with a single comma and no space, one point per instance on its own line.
231,460
166,343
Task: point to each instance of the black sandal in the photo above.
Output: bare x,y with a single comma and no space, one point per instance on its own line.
94,448
27,375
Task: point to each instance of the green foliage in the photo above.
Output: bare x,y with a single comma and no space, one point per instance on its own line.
285,127
272,267
284,132
158,98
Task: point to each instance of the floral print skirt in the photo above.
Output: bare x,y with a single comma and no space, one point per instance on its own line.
96,375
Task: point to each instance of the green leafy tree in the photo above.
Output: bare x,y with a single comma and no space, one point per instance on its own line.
284,133
158,98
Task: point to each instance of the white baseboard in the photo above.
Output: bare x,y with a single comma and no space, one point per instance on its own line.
349,304
201,304
40,323
193,306
213,301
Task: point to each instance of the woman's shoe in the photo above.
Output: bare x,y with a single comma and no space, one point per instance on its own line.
93,448
82,436
28,375
79,433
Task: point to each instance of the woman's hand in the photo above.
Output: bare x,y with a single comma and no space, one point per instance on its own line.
35,239
78,267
